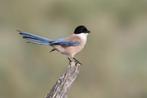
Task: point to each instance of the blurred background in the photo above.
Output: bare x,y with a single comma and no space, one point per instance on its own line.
114,60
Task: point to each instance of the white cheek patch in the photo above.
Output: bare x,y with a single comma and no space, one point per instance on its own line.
83,36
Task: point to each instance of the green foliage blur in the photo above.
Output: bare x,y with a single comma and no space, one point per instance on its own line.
114,59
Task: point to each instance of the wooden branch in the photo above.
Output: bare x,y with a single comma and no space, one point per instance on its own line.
63,84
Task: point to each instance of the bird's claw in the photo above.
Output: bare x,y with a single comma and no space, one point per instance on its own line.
77,62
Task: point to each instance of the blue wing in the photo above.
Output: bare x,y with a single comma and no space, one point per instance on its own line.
63,42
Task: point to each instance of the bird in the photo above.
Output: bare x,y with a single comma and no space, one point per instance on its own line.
68,46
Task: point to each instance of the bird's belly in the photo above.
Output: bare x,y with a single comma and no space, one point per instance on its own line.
69,51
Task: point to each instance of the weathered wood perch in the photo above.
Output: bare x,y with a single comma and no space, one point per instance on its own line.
63,84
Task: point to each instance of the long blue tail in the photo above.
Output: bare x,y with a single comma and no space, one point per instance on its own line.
35,38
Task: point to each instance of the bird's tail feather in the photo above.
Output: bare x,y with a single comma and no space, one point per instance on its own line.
35,38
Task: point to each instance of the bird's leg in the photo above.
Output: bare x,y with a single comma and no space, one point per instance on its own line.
52,50
77,62
69,60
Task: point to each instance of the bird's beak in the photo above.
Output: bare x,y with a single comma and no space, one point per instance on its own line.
88,31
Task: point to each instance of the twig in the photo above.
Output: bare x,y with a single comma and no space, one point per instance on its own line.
63,84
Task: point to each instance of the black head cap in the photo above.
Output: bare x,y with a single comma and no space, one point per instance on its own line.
81,29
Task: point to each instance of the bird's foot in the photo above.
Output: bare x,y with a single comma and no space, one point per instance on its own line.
77,61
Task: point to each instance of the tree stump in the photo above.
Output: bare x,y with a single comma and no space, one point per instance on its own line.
63,84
